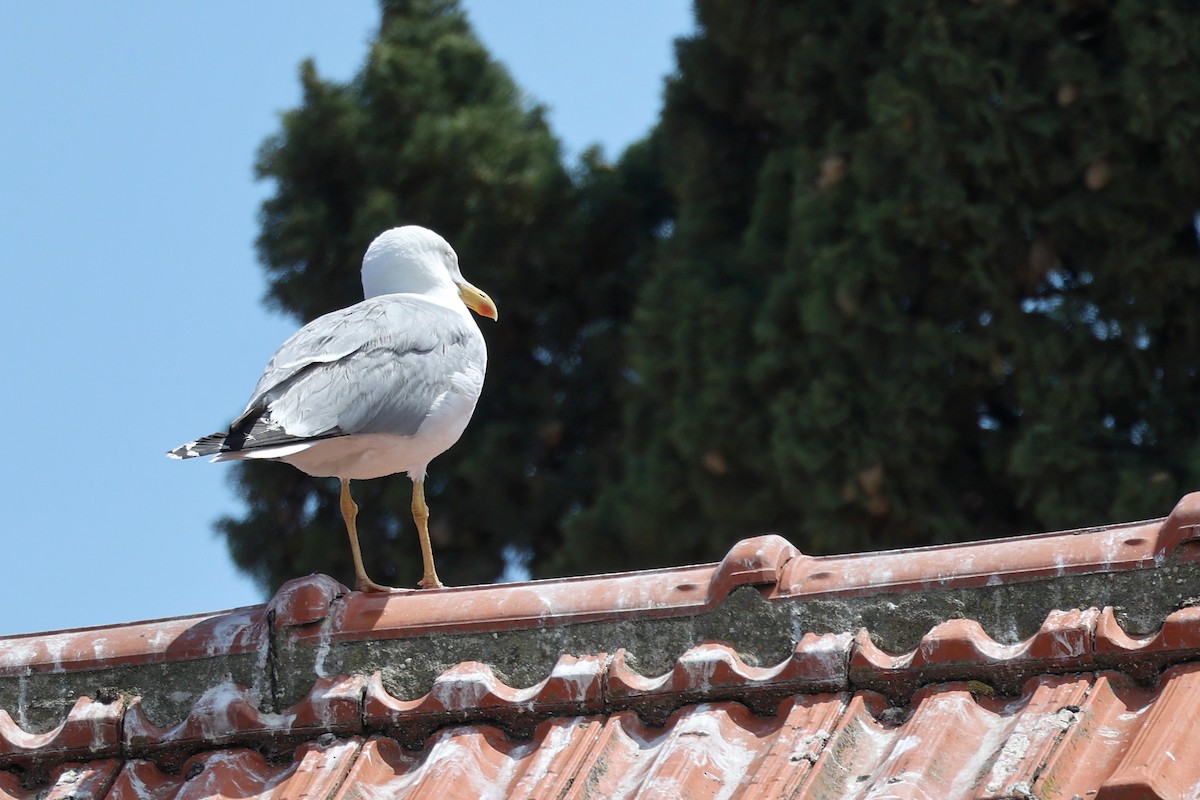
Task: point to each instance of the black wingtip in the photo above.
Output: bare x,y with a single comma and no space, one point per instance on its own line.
208,446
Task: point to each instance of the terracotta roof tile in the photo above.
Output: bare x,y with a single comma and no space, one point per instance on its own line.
1078,734
91,728
1059,665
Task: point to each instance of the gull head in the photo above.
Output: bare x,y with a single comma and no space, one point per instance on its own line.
415,260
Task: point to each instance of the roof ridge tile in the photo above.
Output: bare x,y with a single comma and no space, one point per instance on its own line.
319,611
303,601
1180,527
757,561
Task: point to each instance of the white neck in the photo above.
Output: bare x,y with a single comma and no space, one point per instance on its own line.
390,267
379,279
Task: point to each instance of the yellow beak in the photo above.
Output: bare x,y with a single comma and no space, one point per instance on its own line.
478,301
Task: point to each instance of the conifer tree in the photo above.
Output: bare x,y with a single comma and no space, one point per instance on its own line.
930,279
884,274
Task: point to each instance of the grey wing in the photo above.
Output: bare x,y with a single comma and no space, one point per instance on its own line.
376,367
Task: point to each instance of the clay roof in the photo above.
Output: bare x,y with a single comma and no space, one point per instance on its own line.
1053,666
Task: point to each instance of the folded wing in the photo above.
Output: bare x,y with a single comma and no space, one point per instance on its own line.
379,366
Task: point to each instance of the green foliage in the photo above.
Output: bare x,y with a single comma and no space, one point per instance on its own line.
883,274
929,280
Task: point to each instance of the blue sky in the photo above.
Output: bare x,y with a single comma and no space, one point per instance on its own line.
130,292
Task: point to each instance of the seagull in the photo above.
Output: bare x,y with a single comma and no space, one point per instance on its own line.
376,389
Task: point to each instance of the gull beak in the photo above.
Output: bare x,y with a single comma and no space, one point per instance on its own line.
478,301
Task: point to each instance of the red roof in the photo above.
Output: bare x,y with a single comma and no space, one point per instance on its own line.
1059,665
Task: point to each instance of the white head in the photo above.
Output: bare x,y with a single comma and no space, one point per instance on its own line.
416,260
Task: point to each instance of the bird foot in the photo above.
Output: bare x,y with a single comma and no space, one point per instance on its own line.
430,582
368,585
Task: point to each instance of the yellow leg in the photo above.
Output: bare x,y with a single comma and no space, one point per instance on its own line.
420,513
350,514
